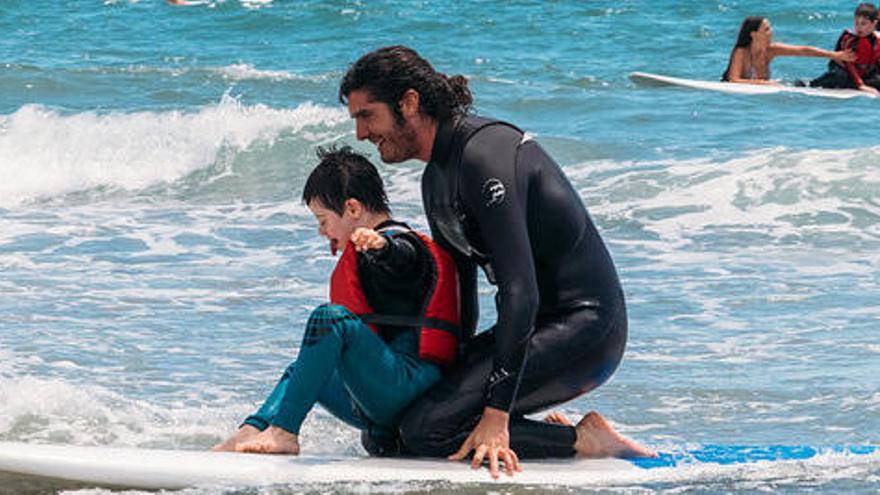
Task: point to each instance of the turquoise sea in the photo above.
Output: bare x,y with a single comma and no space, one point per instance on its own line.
156,266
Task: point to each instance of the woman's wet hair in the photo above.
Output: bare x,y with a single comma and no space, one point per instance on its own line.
344,174
866,10
387,73
743,39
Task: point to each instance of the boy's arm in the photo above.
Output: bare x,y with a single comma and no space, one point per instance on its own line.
395,255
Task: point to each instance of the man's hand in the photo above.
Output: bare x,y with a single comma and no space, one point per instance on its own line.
365,239
490,440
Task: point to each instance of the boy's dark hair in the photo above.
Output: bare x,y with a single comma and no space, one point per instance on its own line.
345,174
387,73
866,10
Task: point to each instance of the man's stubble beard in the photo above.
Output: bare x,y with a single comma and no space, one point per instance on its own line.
405,141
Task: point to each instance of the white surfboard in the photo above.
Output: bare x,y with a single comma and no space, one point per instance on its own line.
173,469
176,469
745,89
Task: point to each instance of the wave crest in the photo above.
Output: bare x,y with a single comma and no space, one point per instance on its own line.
44,153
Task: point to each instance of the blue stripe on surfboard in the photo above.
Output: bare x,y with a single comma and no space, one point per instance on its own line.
740,454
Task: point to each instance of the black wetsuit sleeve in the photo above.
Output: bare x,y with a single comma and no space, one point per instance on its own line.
398,258
490,193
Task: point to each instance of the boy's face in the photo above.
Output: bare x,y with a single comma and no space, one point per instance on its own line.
336,228
864,26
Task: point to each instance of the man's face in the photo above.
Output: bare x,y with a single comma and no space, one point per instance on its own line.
375,122
336,228
864,26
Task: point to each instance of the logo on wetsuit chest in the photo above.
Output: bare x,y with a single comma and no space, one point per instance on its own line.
493,192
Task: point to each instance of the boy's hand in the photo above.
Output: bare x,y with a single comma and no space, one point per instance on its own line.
869,89
365,239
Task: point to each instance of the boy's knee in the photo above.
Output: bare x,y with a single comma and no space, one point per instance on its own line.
331,312
326,319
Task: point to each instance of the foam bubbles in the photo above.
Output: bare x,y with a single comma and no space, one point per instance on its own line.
45,153
243,72
821,198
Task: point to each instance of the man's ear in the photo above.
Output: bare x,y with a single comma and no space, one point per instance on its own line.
409,103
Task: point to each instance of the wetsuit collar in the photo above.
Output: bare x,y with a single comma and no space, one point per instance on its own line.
442,140
391,223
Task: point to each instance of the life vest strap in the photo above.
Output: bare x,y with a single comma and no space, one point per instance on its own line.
410,321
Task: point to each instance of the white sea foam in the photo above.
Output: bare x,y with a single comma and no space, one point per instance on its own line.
53,410
241,72
775,190
256,4
811,211
45,153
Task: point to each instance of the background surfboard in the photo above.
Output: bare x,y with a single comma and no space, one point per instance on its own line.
645,78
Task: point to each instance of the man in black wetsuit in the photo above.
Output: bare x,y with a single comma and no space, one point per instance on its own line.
495,199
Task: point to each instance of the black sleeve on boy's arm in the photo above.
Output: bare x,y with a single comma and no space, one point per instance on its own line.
400,257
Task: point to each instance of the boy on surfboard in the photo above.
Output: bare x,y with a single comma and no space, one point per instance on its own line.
391,325
863,73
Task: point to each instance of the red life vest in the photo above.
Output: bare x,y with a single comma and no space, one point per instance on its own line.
865,48
439,319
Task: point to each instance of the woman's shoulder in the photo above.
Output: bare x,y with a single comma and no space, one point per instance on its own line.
740,52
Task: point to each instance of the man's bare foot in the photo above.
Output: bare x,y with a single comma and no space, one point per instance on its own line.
245,433
557,418
272,440
596,438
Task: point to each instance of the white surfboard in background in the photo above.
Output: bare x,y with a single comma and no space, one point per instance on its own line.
644,78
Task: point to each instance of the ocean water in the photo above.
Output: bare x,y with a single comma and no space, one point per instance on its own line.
156,266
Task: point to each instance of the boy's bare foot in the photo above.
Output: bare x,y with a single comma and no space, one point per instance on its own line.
272,440
596,438
245,433
557,418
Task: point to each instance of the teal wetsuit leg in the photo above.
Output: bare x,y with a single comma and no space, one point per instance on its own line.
342,360
334,397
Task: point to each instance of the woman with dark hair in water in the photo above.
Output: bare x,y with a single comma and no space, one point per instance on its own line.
754,50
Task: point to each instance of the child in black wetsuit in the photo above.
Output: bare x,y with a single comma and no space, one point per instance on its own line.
392,321
864,72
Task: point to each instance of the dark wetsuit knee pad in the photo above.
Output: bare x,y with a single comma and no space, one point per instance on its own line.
554,376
